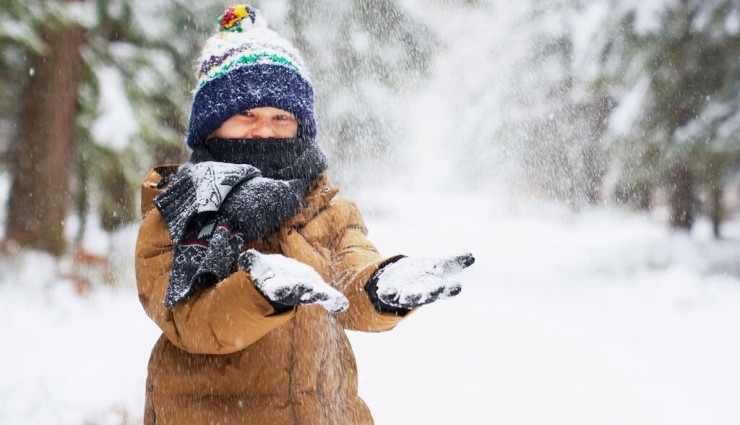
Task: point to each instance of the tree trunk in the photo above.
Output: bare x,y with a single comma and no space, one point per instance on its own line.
682,200
715,195
40,192
598,112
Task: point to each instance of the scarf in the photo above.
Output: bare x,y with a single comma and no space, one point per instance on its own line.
232,191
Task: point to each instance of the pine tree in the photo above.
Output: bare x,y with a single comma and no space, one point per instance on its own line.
687,123
122,49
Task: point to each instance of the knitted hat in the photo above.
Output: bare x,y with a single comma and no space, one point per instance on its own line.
247,65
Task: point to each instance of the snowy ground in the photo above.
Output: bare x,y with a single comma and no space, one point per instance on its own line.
596,319
602,318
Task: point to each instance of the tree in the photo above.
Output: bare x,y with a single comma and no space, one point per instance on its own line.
537,121
42,148
685,123
78,54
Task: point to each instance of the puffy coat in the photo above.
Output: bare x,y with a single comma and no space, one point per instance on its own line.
226,358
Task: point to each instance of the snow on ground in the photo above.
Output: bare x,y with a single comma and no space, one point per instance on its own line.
599,318
602,319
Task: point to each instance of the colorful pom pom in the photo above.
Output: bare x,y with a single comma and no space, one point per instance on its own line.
234,15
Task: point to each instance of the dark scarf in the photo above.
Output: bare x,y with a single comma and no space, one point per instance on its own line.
232,191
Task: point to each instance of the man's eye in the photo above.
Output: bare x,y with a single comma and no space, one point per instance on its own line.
281,117
246,113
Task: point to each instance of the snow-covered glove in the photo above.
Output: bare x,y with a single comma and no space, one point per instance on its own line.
411,282
286,282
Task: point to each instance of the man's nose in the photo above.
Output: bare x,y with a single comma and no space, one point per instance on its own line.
262,130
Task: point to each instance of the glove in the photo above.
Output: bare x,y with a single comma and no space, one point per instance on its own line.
410,282
198,188
286,282
214,180
258,206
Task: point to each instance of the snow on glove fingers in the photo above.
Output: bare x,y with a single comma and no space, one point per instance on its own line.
285,281
455,264
411,282
425,290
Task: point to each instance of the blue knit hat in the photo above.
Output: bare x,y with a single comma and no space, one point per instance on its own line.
247,65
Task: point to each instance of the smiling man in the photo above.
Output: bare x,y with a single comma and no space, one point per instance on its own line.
251,264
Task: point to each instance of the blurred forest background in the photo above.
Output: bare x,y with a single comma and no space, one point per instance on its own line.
631,103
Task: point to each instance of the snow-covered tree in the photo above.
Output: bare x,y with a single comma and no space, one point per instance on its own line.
530,117
674,70
124,106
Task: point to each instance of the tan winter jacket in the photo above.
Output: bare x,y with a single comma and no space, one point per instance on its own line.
225,358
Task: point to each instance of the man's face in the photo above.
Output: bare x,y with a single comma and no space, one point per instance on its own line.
259,123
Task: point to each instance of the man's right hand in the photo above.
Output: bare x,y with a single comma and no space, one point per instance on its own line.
287,282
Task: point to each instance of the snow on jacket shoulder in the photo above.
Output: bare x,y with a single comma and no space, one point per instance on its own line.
226,357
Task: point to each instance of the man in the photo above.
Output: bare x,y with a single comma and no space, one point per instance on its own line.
251,264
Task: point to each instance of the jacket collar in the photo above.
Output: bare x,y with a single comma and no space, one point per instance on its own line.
317,199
